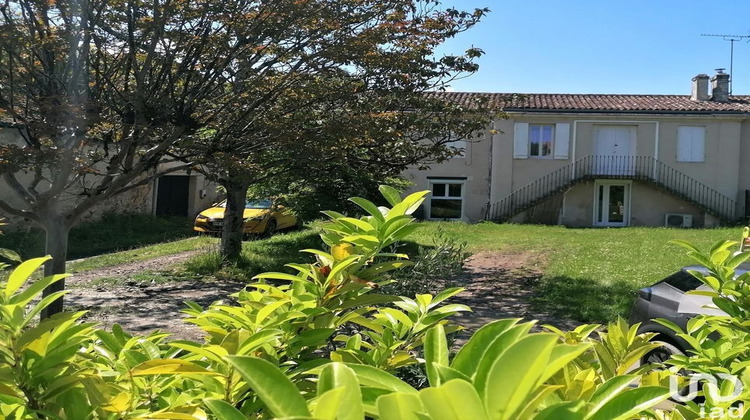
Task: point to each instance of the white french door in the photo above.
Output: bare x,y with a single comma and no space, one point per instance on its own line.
611,203
614,150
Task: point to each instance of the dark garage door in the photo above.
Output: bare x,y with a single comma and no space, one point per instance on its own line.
172,196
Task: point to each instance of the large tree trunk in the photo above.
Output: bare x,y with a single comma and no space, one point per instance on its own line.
56,246
232,232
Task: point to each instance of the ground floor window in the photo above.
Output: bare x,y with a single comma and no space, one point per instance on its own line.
446,199
612,203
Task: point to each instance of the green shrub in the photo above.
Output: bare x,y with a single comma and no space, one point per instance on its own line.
317,343
435,267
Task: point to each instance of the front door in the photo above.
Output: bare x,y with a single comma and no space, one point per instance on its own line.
614,150
172,195
611,204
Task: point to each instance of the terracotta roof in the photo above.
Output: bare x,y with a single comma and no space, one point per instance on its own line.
600,103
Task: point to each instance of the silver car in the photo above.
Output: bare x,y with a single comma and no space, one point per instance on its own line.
668,299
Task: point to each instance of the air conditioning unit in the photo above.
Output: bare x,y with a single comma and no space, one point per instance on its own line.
678,220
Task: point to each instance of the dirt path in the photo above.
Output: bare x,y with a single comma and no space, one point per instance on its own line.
112,296
500,285
497,285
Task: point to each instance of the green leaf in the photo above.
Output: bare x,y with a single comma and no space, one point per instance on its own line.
223,410
400,406
414,200
258,339
466,361
608,390
368,299
685,244
454,400
314,337
367,241
494,351
32,334
390,194
22,273
446,374
629,403
369,207
446,294
329,403
169,367
359,224
342,265
573,410
375,378
39,307
516,374
278,276
339,376
381,268
435,353
9,255
271,385
212,353
563,354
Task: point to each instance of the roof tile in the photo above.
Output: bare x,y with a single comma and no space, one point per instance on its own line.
599,102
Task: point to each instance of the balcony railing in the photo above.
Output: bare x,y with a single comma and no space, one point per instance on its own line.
644,168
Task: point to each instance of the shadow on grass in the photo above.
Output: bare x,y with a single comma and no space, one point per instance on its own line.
258,256
113,232
271,254
583,299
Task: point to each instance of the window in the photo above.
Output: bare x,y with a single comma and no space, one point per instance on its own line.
691,143
541,139
447,200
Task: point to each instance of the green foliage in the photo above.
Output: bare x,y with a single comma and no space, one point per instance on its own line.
315,342
435,266
720,343
113,232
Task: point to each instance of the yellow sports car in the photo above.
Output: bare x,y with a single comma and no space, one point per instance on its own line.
261,217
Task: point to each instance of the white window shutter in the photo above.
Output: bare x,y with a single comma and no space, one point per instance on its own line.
699,141
691,144
683,144
521,141
562,140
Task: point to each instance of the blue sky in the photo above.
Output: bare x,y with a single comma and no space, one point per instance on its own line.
603,46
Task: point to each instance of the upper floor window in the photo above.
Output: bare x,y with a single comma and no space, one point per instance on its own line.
541,140
691,142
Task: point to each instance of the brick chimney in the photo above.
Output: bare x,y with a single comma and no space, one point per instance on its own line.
700,88
720,86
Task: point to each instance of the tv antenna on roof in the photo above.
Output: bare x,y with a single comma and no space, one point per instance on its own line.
731,39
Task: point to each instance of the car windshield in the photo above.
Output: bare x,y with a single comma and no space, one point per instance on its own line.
253,204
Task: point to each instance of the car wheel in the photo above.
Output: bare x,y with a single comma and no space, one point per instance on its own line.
270,228
661,354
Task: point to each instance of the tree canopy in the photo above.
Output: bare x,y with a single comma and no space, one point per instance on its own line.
108,95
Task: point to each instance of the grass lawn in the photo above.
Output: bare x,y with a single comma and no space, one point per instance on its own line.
589,274
260,255
110,234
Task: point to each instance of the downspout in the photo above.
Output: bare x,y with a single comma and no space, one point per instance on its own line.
489,174
656,154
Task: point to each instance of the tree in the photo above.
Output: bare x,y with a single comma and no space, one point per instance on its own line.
348,94
103,90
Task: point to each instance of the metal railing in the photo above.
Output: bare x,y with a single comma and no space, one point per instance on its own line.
644,168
